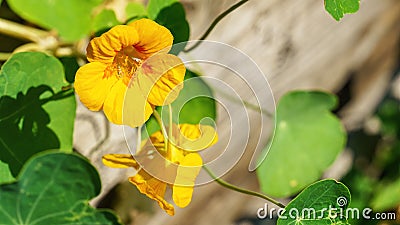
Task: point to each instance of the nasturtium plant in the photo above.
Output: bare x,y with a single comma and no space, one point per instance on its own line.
5,173
35,113
53,188
173,17
306,130
322,203
71,18
194,104
337,8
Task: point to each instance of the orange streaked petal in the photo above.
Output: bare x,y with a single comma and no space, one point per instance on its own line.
188,170
152,38
161,78
105,47
92,86
136,109
120,161
153,189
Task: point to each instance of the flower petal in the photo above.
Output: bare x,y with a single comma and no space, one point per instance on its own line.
120,161
152,38
195,137
105,47
187,172
113,105
92,86
161,78
153,189
136,109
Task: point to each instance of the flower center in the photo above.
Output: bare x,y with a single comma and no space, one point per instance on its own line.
123,66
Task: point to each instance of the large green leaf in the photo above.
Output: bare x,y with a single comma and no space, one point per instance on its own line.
194,103
173,17
35,114
53,188
337,8
71,18
322,203
307,140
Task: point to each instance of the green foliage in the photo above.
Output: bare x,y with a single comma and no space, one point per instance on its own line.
5,173
387,196
173,17
35,114
105,20
135,10
194,103
71,18
53,188
322,203
307,140
154,7
337,8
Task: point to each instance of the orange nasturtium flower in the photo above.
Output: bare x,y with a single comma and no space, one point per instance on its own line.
130,72
176,167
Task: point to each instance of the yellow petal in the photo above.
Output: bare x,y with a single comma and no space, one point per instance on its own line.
153,189
188,170
105,47
195,137
113,105
160,78
92,86
120,161
152,38
136,109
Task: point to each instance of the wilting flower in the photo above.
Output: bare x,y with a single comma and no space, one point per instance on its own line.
130,72
176,167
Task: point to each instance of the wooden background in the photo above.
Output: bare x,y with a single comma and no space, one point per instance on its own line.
298,46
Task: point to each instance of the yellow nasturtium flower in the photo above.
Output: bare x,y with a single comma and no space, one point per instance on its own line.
130,72
176,167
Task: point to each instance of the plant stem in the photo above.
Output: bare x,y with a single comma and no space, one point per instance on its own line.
21,31
163,130
4,56
241,190
214,23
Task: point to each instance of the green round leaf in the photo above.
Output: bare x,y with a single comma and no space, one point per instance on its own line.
337,8
71,18
35,114
322,203
308,138
53,188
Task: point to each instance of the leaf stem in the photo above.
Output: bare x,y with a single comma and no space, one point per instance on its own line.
163,130
214,23
21,31
241,190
